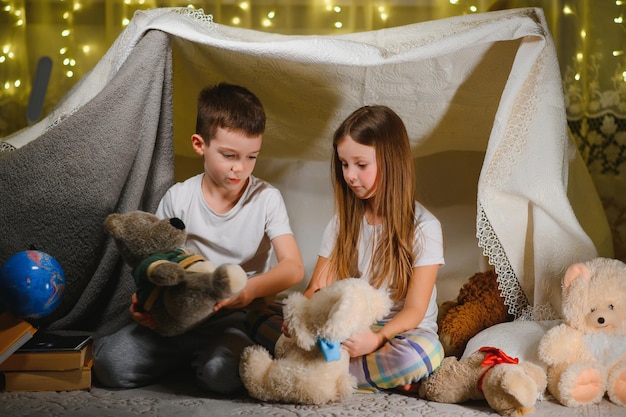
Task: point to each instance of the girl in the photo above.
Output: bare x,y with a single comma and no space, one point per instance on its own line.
380,233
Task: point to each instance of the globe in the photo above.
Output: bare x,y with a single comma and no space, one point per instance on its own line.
31,284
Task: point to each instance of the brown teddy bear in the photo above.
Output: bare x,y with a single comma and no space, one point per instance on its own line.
509,386
586,354
177,287
478,306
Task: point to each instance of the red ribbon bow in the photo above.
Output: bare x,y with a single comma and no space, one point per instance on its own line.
493,357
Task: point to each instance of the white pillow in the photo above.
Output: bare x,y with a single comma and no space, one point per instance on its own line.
518,339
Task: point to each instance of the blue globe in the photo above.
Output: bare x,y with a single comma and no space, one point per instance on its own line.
31,284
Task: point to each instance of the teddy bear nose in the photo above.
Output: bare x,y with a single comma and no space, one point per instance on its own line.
177,223
601,320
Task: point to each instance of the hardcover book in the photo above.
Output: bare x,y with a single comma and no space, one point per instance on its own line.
48,351
14,333
70,380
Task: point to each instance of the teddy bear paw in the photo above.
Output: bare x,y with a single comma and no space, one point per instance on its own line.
581,386
617,386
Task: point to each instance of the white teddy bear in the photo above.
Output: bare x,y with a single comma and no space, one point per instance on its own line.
586,354
310,365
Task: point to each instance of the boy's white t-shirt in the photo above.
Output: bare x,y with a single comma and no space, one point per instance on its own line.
242,235
427,247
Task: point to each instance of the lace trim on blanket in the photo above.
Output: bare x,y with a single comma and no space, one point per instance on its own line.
508,283
6,147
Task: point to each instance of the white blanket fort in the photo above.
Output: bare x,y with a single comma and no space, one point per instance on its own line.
480,95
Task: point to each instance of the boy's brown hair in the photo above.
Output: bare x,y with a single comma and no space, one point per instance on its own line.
231,107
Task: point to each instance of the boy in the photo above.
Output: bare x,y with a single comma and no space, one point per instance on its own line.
230,217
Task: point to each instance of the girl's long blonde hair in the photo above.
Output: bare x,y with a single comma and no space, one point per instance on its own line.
392,260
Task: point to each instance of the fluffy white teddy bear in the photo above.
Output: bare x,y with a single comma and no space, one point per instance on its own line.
310,365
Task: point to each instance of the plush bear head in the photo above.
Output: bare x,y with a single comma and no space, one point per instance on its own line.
478,306
178,288
594,296
334,313
310,367
139,235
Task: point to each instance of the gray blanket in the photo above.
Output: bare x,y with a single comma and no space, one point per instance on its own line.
113,154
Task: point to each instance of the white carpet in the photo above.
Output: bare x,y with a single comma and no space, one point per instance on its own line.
181,399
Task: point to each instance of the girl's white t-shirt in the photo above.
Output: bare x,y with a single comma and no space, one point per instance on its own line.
427,247
242,235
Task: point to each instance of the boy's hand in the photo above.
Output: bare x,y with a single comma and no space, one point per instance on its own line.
141,317
241,300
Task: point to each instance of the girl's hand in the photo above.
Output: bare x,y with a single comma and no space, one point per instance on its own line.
364,343
285,328
141,317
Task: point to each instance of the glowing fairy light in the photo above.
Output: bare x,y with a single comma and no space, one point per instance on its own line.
125,21
271,14
20,22
244,5
17,83
583,34
579,57
66,33
567,10
624,76
473,9
69,74
6,49
577,76
63,50
619,20
337,9
454,1
384,16
338,25
618,53
66,15
266,23
86,49
2,58
7,85
236,21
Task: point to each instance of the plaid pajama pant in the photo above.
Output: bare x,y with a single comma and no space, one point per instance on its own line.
405,359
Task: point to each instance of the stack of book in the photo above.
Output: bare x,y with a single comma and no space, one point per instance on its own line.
48,361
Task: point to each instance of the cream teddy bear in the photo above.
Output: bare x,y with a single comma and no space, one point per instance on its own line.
509,386
310,365
177,287
586,354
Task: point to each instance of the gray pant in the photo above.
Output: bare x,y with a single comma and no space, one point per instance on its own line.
135,356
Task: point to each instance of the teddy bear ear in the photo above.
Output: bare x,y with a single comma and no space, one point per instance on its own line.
294,312
111,224
574,272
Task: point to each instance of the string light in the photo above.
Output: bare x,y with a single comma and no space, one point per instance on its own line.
72,54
